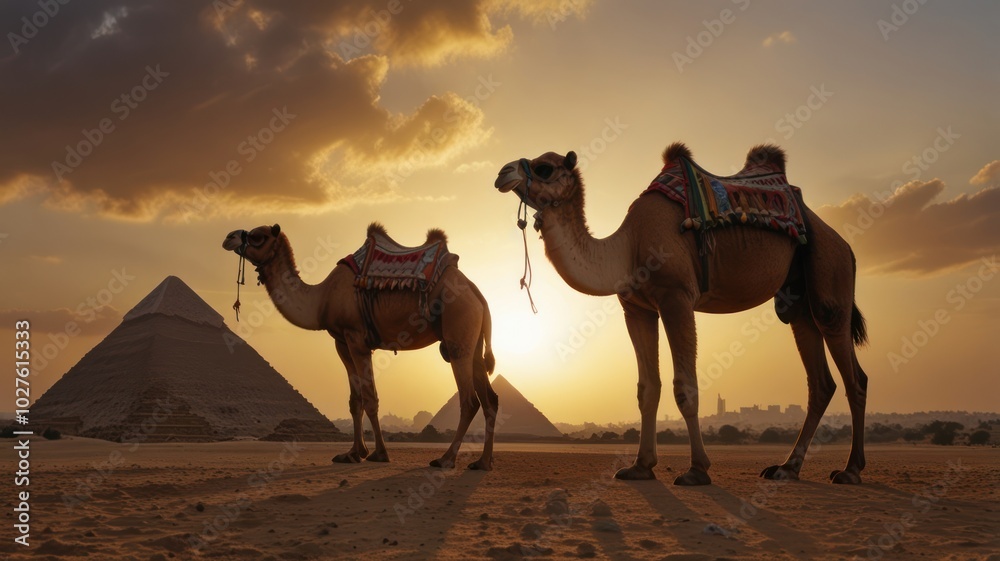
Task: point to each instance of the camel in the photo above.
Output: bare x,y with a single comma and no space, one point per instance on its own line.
459,320
655,271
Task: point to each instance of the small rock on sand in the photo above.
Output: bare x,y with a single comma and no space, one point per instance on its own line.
600,508
586,551
532,531
650,544
606,526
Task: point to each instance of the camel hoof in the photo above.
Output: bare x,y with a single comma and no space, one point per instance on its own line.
443,463
779,473
348,458
635,473
382,456
693,477
481,465
842,477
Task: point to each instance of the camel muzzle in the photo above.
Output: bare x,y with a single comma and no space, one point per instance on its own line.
235,240
509,177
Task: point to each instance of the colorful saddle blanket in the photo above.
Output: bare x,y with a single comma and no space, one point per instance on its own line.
758,195
383,264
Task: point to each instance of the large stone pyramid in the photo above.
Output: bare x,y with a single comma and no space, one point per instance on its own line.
517,416
173,371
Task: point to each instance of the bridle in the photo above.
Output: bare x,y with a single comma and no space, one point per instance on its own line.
241,271
522,217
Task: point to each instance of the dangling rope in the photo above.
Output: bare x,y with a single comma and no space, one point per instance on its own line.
522,223
241,276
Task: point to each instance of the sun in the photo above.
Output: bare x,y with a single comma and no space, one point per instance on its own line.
517,331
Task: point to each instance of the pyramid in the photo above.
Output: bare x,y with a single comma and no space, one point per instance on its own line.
173,371
517,416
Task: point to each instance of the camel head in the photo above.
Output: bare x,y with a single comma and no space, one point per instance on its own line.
258,245
549,180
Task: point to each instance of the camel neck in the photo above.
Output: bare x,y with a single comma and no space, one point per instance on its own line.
300,303
598,267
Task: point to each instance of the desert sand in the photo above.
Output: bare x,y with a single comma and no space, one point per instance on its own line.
269,500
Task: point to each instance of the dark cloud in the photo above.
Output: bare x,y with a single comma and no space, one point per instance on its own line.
185,89
910,231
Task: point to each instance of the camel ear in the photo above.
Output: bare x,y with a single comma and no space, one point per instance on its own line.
570,161
275,230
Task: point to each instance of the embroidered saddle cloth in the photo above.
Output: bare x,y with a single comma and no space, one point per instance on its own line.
383,264
758,195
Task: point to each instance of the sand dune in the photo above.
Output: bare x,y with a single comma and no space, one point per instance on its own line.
268,500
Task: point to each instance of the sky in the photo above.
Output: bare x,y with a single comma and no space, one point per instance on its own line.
138,133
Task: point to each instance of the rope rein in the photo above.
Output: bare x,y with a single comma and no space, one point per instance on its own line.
522,223
241,277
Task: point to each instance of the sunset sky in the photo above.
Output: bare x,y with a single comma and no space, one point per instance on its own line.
329,115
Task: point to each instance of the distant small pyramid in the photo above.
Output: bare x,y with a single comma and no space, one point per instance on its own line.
173,371
517,415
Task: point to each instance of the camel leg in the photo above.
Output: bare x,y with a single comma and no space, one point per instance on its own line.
358,451
363,364
644,332
468,405
678,320
491,405
856,383
809,341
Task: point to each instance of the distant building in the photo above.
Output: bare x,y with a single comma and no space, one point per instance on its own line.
794,410
776,409
721,406
749,410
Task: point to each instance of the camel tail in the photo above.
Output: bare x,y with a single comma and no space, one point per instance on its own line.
859,330
491,361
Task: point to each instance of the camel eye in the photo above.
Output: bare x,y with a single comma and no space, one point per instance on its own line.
256,239
543,170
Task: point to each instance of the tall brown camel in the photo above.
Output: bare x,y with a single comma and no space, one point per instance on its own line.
746,267
459,319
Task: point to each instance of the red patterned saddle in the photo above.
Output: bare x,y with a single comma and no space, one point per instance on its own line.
384,264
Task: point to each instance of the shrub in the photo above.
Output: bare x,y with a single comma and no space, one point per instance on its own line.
979,437
51,434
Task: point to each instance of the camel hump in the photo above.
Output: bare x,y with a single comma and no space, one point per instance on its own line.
377,228
675,152
766,154
436,235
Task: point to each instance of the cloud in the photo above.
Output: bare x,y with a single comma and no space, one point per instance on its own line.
910,232
209,109
785,37
989,174
84,320
470,167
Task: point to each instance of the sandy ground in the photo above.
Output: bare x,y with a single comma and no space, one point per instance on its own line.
262,500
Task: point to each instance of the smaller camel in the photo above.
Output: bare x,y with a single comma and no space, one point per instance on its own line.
453,312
